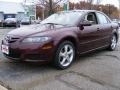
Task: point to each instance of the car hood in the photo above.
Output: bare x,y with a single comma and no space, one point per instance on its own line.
34,29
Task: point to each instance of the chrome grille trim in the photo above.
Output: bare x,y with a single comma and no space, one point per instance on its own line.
11,39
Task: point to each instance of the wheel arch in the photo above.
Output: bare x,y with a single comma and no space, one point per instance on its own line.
116,34
71,39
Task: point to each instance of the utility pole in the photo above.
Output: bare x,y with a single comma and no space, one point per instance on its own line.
50,7
66,5
43,12
109,9
119,8
35,11
34,7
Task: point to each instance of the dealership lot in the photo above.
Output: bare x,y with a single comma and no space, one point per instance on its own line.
95,71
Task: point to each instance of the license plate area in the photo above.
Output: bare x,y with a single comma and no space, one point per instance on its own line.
5,49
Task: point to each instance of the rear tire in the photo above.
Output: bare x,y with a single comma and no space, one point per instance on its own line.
113,43
4,25
17,25
65,55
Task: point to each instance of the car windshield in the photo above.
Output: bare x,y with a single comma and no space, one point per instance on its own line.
63,18
24,19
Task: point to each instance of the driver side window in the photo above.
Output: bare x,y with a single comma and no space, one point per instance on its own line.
91,17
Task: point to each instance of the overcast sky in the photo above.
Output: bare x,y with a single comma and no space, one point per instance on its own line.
114,2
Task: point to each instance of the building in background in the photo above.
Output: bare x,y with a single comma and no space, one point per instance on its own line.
30,11
11,10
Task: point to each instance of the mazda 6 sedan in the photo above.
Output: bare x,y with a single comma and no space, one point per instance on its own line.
60,37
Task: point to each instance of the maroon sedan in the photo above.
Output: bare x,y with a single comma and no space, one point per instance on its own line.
60,37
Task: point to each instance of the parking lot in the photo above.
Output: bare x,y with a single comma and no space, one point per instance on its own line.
95,71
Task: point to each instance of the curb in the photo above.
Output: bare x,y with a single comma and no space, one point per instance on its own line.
3,88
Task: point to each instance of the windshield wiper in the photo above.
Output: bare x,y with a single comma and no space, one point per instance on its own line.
55,24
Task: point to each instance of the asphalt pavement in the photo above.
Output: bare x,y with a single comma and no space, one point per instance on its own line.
95,71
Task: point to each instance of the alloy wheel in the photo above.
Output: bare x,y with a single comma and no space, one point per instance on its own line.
66,55
113,42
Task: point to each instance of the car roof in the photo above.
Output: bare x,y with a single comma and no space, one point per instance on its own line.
77,10
84,10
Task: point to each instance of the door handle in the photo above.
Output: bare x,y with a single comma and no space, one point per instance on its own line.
98,29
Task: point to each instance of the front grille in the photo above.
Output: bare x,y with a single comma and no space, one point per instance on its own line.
11,39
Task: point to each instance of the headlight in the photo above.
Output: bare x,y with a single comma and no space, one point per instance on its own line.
36,39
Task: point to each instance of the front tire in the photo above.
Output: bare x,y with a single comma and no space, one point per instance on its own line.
113,43
65,55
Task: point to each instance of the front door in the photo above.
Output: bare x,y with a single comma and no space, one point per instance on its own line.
89,36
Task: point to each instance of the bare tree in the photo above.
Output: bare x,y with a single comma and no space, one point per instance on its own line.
98,4
90,3
50,5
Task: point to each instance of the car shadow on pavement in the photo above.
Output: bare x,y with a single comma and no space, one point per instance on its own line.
26,65
92,54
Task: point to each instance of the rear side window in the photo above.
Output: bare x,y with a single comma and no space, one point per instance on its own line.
102,18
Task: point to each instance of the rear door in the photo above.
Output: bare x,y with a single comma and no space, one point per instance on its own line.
105,29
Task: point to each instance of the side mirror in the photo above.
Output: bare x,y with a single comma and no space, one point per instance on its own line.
85,23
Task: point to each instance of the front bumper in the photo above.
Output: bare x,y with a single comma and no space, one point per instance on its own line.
9,24
25,23
30,52
1,24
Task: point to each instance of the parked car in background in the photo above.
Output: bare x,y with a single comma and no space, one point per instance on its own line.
119,23
1,23
62,36
26,21
37,21
11,22
116,21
